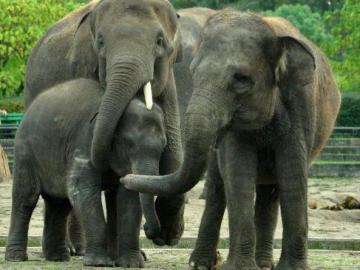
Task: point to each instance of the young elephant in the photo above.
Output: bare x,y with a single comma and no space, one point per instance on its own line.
52,159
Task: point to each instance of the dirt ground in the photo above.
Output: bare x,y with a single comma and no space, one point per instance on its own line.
326,224
343,224
176,259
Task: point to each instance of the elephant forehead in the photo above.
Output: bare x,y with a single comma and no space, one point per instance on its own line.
233,45
231,22
136,12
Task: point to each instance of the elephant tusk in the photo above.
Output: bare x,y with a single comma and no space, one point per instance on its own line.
148,96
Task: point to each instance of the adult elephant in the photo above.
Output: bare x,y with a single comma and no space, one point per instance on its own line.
266,100
123,44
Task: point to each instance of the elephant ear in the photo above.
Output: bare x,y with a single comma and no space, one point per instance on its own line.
292,51
82,57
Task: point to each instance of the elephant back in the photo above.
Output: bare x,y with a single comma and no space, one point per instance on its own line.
48,63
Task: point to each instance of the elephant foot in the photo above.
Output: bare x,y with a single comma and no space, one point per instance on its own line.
152,232
75,249
266,264
16,255
171,217
97,260
291,264
57,255
204,262
76,252
144,255
131,260
242,265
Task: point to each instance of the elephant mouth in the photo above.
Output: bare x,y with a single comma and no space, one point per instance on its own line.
248,120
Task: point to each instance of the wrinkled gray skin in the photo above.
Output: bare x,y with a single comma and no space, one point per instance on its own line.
265,102
52,155
191,21
123,44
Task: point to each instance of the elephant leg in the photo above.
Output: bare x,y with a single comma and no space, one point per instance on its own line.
128,228
204,255
238,168
205,189
54,234
25,195
86,201
75,235
292,169
170,210
266,214
111,214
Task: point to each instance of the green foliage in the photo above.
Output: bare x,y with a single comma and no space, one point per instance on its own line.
12,105
350,111
309,23
22,23
345,48
261,5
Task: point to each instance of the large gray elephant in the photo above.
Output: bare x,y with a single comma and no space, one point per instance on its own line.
123,44
52,154
265,102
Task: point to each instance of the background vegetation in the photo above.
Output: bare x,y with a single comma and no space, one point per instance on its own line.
329,23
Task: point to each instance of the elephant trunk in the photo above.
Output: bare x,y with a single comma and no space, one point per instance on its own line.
202,122
152,226
126,77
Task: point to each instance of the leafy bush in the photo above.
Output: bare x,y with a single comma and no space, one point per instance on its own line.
309,23
345,48
350,111
22,23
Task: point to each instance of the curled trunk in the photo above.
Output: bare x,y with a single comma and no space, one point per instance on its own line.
126,77
202,122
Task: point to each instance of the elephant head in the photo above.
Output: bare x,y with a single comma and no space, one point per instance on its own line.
129,46
238,70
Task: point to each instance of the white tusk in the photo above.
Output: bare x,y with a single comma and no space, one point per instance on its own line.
148,96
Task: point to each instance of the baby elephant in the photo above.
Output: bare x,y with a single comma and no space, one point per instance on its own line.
52,159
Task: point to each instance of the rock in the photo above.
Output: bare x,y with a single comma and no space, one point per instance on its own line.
312,205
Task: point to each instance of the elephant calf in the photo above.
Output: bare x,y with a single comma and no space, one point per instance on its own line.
52,159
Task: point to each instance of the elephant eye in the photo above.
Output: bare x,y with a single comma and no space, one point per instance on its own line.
100,41
160,41
242,83
161,45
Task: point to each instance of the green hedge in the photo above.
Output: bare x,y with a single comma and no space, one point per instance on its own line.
349,115
22,23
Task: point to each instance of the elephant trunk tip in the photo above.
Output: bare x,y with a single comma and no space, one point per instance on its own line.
156,185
